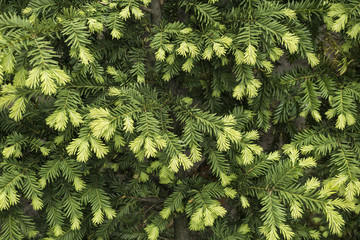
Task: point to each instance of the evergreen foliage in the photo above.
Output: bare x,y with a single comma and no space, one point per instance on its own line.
120,119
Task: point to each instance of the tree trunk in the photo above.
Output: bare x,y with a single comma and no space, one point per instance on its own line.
156,12
181,230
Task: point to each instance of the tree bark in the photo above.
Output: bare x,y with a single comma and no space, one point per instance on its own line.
156,12
181,230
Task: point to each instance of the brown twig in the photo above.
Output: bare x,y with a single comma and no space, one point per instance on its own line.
145,9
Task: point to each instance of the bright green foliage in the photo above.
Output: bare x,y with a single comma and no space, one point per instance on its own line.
120,120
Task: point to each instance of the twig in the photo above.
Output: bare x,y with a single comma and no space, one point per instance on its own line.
145,9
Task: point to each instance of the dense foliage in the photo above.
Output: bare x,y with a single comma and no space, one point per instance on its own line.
179,119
